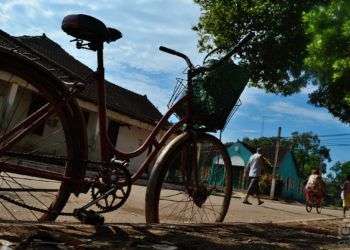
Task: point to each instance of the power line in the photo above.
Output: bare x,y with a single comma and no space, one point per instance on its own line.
327,135
334,135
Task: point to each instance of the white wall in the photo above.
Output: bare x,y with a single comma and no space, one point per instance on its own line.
131,135
129,139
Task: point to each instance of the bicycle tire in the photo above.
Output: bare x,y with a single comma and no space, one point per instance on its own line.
308,207
318,209
158,186
39,80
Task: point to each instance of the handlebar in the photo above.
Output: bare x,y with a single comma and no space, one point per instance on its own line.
171,51
176,53
244,40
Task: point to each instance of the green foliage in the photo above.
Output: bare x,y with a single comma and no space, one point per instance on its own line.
338,172
328,51
328,56
275,56
306,148
335,180
298,42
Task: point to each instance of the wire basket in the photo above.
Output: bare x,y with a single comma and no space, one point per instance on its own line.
215,96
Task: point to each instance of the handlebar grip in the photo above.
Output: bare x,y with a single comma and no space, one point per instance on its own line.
170,51
176,53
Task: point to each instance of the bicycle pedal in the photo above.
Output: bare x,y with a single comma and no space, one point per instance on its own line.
88,217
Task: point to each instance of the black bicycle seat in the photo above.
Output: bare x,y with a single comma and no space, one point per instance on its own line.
89,28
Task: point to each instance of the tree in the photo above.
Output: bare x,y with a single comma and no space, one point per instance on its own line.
328,56
306,148
298,42
338,172
275,57
336,178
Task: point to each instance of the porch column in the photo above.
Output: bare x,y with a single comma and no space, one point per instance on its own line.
8,104
12,96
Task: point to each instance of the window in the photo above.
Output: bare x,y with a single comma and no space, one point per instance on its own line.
36,103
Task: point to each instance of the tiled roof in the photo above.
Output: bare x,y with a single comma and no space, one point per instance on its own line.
67,68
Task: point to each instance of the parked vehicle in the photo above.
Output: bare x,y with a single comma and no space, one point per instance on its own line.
37,187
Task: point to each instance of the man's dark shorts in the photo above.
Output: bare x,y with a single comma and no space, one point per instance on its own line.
254,186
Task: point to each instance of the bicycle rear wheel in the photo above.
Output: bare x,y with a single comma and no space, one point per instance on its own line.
55,145
308,207
318,208
191,182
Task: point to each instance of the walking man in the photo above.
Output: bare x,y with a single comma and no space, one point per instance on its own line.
346,194
253,171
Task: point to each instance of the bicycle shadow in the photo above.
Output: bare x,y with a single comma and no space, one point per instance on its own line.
172,237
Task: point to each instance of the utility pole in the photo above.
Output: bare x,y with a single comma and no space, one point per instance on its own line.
262,126
273,183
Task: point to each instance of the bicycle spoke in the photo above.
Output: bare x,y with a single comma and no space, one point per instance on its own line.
212,206
191,168
38,142
14,111
28,192
179,193
21,200
34,179
182,211
8,210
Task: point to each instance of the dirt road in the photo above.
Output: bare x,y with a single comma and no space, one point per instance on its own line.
270,211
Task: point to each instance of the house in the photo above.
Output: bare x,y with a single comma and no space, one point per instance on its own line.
287,169
131,116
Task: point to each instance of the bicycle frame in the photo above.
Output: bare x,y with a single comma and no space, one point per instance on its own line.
107,149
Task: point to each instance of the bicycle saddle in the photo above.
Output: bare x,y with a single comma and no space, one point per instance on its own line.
89,28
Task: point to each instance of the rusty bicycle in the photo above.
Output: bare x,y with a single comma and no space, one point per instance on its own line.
191,178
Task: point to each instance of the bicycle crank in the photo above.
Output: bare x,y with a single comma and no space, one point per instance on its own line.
109,191
112,187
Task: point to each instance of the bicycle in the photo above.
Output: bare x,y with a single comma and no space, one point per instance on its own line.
313,199
37,186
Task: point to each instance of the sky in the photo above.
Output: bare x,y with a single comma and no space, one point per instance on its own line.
134,62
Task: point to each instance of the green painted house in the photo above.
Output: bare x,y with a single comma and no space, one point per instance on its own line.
287,170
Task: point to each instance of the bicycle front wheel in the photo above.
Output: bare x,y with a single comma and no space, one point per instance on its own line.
191,182
308,206
42,141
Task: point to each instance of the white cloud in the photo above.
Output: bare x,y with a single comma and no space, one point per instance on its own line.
143,85
31,9
308,89
301,112
249,131
145,24
251,95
